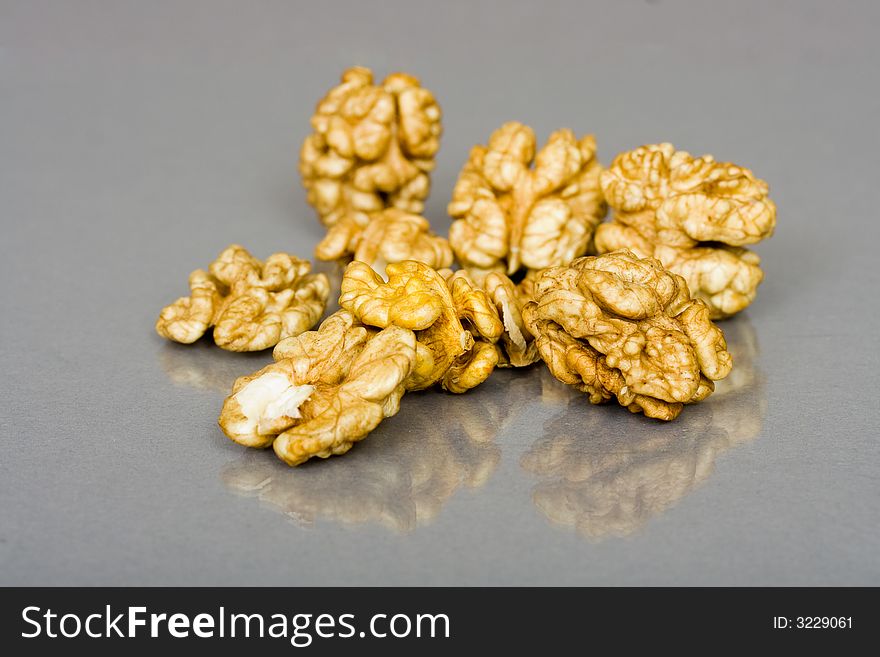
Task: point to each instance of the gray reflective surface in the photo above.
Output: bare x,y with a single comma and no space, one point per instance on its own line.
138,139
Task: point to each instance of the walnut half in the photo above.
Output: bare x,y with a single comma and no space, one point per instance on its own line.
514,207
619,326
327,390
695,215
371,148
250,304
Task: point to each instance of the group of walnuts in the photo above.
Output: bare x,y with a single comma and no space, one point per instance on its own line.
633,322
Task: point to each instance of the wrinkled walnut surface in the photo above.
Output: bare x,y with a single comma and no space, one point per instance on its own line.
619,326
416,297
371,148
693,214
327,390
493,307
394,235
515,207
251,305
463,331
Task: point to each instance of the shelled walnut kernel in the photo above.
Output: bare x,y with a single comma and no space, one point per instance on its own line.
693,214
619,326
514,207
251,305
372,148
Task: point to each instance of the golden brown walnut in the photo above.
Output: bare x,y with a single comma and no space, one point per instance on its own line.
415,297
187,319
616,325
250,304
411,297
327,390
509,299
267,407
474,306
493,305
462,330
477,314
695,215
371,148
394,236
343,415
517,208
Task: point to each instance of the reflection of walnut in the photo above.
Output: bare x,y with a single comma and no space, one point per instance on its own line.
615,482
740,402
617,325
251,305
202,367
394,236
328,389
510,214
371,149
395,482
460,327
694,215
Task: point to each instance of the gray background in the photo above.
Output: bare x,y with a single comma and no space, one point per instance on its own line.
137,139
